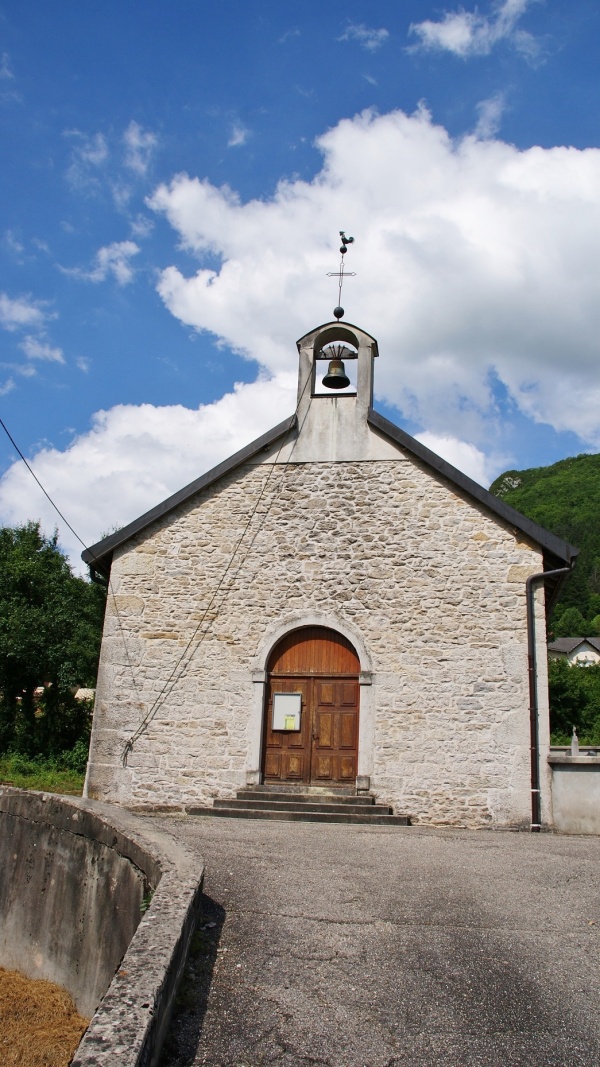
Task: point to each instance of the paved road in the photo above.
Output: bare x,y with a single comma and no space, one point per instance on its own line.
368,947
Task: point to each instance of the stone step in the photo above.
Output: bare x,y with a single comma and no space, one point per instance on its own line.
303,816
304,798
301,787
307,804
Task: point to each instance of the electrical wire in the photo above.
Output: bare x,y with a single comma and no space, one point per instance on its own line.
176,672
47,495
181,664
81,542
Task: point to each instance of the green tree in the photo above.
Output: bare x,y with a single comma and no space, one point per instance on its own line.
570,624
574,702
565,498
50,631
567,698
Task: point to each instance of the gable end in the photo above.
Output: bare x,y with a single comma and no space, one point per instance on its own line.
559,552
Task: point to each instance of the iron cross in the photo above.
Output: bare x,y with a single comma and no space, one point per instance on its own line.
341,273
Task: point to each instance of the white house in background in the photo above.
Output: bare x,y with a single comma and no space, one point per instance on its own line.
583,651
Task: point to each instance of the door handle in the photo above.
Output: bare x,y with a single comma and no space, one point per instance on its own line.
315,737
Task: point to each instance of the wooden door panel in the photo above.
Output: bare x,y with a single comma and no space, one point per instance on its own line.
293,747
273,764
347,768
347,729
296,740
325,692
324,729
336,732
311,651
294,766
325,749
323,767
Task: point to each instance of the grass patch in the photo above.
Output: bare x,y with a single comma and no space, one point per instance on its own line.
46,775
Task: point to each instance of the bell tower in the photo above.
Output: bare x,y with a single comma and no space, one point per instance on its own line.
335,386
332,415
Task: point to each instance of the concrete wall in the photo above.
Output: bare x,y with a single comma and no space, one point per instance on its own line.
70,898
72,878
576,793
424,581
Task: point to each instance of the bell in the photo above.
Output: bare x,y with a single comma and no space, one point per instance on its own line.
336,377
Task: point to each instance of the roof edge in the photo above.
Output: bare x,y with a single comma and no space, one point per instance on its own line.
558,548
569,644
96,555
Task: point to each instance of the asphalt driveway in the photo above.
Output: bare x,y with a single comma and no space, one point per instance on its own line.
368,947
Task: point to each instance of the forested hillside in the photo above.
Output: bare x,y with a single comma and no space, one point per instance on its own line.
565,498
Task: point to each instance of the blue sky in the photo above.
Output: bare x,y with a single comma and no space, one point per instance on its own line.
174,179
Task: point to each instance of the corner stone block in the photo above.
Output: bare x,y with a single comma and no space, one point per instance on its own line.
137,563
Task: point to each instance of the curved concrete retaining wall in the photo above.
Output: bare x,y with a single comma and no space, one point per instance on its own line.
73,877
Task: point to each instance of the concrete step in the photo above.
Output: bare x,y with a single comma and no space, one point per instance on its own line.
304,798
306,804
302,816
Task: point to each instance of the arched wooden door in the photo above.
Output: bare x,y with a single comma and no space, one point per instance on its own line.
321,667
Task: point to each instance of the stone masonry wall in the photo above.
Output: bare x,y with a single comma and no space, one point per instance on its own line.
432,583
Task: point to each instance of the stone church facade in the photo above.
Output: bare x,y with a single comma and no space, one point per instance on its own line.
340,562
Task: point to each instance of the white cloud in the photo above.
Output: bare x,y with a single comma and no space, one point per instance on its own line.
21,311
475,262
34,348
113,259
238,136
139,146
6,73
121,193
23,370
466,457
83,363
136,456
288,36
14,244
468,33
142,226
25,313
490,113
369,38
87,155
8,96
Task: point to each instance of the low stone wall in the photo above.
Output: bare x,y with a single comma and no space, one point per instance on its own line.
575,793
74,879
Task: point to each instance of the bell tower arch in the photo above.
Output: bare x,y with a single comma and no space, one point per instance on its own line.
333,424
311,349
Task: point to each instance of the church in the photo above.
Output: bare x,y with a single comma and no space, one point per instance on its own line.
334,607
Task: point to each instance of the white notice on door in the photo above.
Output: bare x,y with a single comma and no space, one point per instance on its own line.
286,711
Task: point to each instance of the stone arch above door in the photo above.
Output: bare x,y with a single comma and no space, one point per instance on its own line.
326,620
313,671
